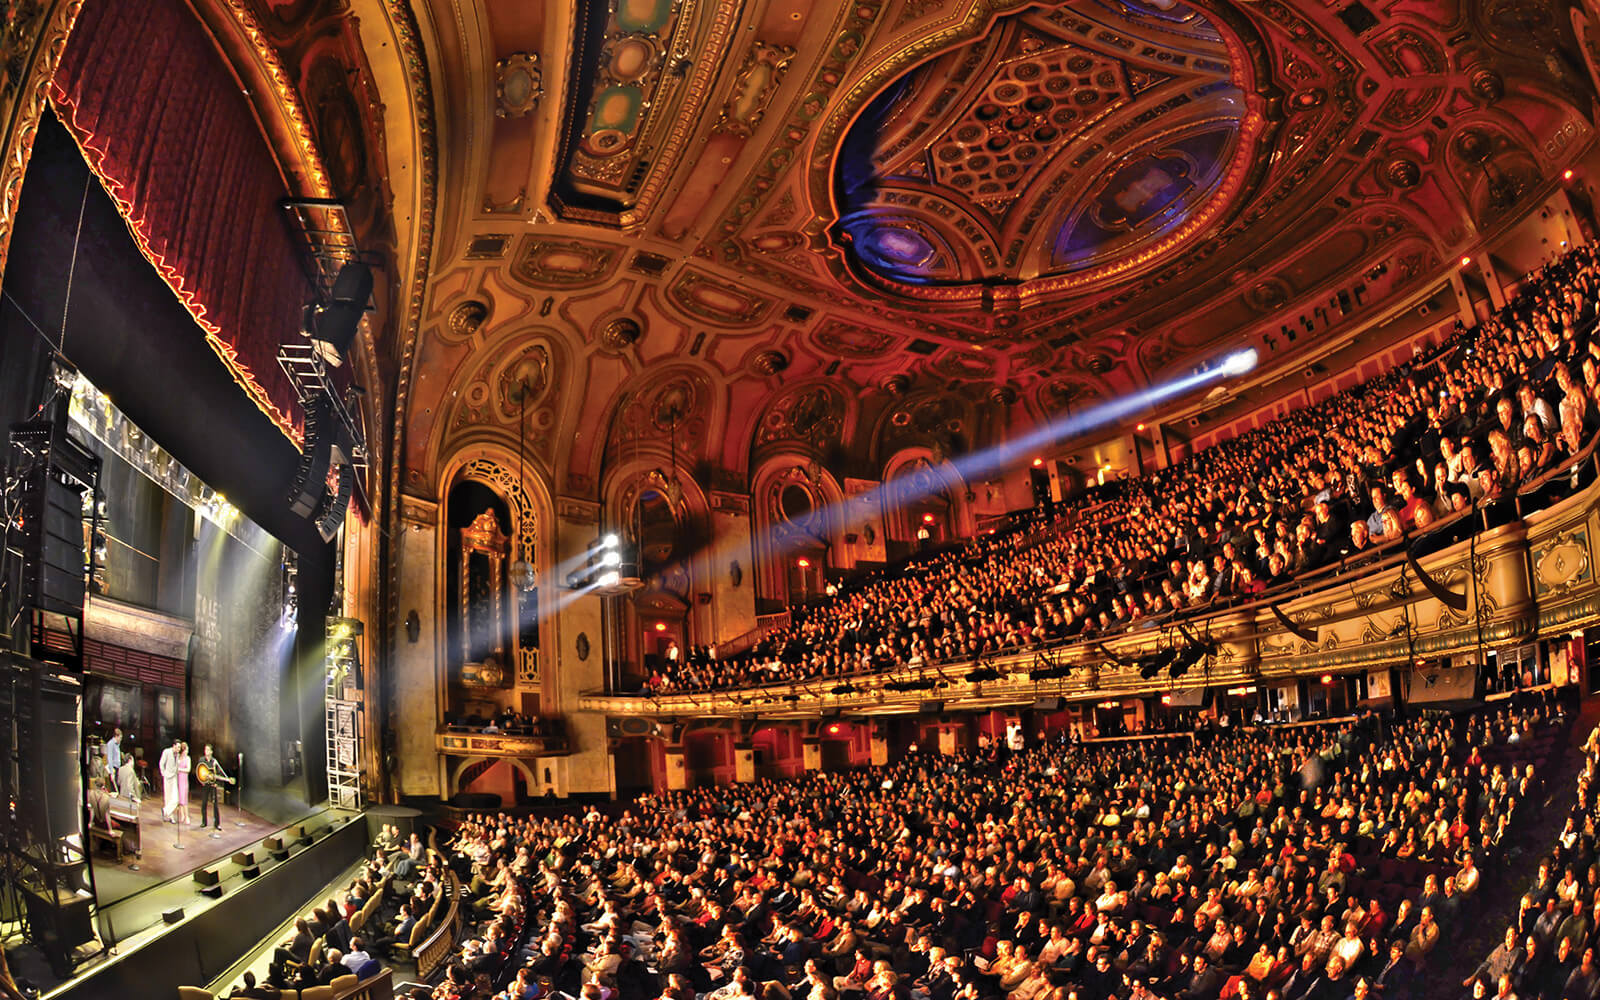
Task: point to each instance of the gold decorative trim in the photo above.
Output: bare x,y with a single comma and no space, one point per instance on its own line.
21,124
403,22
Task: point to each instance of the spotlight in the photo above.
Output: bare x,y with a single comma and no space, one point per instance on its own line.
1240,362
611,558
610,578
334,325
610,541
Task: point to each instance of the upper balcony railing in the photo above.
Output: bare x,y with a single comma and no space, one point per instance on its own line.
1496,574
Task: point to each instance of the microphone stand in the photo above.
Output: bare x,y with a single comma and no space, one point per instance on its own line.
238,793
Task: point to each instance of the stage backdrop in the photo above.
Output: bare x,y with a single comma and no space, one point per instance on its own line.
240,668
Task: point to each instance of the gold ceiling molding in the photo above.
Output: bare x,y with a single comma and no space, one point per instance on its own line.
403,22
695,95
275,97
252,56
37,32
832,132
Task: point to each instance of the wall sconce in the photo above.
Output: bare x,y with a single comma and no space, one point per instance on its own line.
736,573
413,627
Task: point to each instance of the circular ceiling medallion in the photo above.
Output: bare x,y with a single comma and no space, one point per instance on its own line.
466,318
621,333
1403,172
769,362
989,163
519,84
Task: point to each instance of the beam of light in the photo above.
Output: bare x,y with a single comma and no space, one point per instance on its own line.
898,494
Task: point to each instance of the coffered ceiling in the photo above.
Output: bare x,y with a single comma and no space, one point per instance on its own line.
840,224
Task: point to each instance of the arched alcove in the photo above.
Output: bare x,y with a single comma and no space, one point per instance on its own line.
920,493
798,519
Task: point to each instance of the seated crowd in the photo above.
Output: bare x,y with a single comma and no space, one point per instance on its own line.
349,937
1301,863
1548,952
1497,411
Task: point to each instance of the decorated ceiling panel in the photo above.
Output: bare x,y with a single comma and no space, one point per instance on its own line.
846,227
1060,142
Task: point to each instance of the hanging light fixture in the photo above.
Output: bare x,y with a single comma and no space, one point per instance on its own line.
522,575
674,488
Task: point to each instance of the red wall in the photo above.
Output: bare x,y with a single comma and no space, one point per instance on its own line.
708,757
154,674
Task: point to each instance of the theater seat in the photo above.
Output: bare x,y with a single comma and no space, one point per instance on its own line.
343,983
317,993
193,993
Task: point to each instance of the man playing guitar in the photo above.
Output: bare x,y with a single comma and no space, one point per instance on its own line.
211,775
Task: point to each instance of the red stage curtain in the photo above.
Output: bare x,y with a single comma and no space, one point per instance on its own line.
164,125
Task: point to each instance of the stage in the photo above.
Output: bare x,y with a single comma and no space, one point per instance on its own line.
212,931
160,859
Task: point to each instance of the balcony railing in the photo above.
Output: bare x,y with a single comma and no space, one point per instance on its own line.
1533,576
475,743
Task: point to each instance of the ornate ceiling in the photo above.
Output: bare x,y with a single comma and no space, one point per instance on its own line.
844,226
1084,140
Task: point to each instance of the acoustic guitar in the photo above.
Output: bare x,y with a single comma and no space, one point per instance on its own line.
206,776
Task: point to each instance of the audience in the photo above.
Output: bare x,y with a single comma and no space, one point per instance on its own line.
1497,411
1548,952
1303,863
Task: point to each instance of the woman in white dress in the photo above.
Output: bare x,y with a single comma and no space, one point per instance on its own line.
184,767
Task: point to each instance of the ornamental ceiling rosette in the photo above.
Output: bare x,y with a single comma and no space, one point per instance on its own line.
1063,147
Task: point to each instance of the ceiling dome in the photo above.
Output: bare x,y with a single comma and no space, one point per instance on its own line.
1077,141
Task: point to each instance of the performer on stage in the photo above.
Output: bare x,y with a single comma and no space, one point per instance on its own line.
128,780
211,778
169,781
184,767
113,751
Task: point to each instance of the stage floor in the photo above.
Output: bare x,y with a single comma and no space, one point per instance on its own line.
160,860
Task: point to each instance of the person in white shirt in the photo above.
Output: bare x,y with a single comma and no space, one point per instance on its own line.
168,768
358,955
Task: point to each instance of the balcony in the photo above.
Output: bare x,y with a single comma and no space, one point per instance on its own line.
462,742
1532,578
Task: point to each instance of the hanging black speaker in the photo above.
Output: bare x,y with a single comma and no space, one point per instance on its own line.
311,477
52,544
330,513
